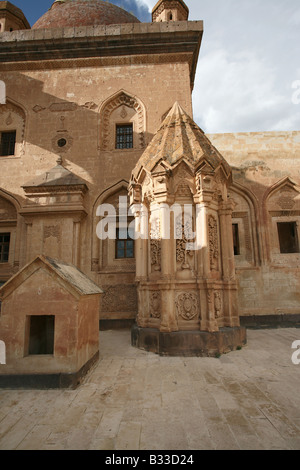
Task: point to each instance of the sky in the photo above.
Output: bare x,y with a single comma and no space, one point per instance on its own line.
248,75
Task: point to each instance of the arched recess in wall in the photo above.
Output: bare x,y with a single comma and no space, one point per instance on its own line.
104,251
12,129
9,235
246,234
119,110
281,206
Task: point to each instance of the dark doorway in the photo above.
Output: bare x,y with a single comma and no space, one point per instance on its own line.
41,334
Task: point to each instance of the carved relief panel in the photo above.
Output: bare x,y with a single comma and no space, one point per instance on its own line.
187,306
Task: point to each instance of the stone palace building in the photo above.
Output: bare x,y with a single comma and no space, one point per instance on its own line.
98,106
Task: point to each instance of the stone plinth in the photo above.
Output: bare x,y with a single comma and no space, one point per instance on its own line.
189,343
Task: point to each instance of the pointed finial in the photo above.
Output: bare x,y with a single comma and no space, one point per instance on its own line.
59,160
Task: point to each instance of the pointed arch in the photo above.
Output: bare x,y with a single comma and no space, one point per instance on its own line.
11,199
107,196
13,118
10,232
246,216
281,206
125,102
285,183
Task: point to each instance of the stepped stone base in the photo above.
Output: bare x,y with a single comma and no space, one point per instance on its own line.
189,343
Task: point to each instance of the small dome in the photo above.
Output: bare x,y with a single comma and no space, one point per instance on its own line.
70,13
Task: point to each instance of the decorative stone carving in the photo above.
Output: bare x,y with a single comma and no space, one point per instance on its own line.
90,105
183,190
62,142
52,231
286,200
213,243
184,234
9,120
37,108
119,298
122,100
187,305
155,245
7,210
95,265
218,304
63,106
155,304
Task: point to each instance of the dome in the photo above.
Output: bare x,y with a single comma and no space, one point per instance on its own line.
70,13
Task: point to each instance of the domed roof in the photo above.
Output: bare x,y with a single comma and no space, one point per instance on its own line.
70,13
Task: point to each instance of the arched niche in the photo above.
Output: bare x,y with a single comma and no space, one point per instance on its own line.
121,109
245,227
103,251
281,205
13,120
9,235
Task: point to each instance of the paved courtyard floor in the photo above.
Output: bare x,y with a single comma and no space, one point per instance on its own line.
133,400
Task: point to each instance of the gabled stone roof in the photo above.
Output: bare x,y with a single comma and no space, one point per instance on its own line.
179,138
68,273
57,176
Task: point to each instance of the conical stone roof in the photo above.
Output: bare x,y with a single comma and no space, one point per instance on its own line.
179,138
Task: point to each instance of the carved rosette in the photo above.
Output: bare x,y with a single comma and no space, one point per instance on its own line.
213,243
187,305
155,304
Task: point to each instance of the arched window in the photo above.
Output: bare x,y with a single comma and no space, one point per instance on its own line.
122,123
9,256
111,253
12,130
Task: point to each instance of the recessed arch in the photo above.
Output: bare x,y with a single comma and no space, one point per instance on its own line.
104,197
248,214
13,118
125,102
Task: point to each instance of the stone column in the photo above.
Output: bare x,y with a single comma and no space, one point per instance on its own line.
230,310
168,313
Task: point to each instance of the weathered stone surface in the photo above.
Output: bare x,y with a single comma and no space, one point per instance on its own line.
189,343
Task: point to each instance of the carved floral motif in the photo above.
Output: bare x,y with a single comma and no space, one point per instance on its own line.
184,236
155,304
213,243
155,244
218,304
187,305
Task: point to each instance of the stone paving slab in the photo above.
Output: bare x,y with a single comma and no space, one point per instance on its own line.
134,400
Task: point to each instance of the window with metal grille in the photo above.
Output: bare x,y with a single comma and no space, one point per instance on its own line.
124,247
4,247
288,237
8,143
124,136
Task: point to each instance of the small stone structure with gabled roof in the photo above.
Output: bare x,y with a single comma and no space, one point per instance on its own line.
49,322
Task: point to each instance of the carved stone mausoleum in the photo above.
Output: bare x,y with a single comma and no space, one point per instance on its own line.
99,107
185,263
